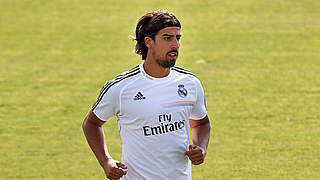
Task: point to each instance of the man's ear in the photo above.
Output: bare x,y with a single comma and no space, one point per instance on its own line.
148,41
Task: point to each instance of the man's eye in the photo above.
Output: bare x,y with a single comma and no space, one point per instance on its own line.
167,38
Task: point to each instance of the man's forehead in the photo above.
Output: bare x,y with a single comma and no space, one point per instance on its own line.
170,31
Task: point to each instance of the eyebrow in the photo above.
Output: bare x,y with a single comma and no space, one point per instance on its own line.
170,35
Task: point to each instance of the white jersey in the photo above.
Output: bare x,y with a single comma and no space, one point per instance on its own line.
152,115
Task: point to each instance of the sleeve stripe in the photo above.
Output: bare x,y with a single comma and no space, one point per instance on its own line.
111,83
117,78
181,70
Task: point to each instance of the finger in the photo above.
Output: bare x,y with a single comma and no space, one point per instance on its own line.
196,159
187,153
191,152
115,172
119,164
120,172
196,162
196,155
192,146
195,147
114,176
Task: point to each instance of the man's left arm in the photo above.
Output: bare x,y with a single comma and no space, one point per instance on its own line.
200,134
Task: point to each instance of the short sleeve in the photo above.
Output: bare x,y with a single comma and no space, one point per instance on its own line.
199,110
107,104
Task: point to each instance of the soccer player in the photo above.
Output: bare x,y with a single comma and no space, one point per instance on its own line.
156,104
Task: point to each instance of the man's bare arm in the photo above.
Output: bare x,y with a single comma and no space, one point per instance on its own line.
92,128
200,134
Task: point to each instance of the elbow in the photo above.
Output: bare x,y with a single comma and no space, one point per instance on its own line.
207,125
84,123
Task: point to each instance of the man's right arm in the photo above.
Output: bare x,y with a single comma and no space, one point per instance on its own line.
92,128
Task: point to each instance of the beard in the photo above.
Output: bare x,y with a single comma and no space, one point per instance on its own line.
167,63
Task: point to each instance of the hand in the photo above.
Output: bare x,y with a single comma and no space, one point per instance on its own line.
196,154
114,169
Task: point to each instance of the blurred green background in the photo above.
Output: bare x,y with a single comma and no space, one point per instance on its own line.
259,62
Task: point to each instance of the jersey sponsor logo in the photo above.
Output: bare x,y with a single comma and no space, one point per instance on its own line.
166,125
182,92
139,96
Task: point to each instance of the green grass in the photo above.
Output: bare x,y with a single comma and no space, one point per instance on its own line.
261,77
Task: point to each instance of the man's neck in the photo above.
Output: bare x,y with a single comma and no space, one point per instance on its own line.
155,70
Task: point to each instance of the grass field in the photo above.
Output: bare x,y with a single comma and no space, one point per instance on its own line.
259,62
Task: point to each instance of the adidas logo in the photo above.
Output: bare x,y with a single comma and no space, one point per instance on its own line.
139,96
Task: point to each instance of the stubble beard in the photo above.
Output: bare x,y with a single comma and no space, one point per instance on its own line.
166,63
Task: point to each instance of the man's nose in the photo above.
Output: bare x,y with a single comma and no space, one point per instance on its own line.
175,44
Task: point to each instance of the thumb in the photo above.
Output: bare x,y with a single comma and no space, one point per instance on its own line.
192,146
119,164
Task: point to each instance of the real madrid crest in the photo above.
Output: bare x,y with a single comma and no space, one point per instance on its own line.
182,92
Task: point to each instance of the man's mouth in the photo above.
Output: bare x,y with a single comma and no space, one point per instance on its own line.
173,53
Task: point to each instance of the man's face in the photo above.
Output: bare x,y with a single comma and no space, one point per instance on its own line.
165,48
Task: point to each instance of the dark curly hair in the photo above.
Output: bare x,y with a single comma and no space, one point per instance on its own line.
149,25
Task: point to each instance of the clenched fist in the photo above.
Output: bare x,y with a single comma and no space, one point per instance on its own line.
114,170
196,154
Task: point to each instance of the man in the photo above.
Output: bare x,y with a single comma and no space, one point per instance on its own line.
155,104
